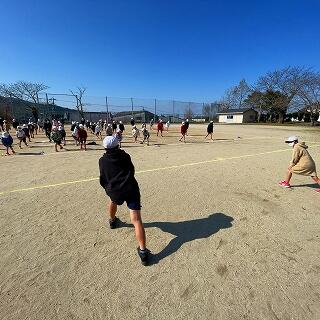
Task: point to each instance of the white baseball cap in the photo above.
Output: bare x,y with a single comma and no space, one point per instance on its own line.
110,142
292,139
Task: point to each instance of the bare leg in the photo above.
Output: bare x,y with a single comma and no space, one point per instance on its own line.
12,149
112,210
288,176
135,216
316,180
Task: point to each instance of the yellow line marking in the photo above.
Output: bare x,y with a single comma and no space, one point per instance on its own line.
151,170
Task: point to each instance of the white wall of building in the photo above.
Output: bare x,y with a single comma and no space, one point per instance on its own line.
231,118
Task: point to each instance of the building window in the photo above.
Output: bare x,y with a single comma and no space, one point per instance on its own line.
230,117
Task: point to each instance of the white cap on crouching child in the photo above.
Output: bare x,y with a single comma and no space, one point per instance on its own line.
110,142
292,139
5,134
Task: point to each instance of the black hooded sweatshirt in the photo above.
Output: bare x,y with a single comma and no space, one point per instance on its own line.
117,175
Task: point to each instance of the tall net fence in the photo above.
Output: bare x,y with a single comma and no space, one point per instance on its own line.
93,108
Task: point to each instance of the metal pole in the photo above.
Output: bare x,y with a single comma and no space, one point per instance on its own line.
107,105
131,107
155,109
172,120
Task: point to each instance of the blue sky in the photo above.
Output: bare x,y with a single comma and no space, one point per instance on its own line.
187,50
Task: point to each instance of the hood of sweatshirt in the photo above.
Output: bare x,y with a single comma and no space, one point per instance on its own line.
302,145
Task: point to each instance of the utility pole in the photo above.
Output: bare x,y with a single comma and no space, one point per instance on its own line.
131,107
107,105
172,110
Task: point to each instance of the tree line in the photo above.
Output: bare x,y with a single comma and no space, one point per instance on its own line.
274,93
30,91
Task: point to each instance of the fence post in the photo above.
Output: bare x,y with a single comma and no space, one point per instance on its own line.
172,120
131,107
107,109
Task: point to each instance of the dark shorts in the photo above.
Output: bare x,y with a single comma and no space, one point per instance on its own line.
133,201
57,142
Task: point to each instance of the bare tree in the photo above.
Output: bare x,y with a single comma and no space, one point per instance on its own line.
288,81
310,95
79,95
209,110
235,96
188,112
26,91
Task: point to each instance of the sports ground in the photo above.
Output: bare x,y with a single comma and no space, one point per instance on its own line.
228,242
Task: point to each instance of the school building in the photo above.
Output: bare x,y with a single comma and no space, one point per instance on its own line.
238,116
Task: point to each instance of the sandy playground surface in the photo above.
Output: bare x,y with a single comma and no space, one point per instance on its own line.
228,242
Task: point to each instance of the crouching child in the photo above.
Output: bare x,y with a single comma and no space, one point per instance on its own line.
117,178
301,163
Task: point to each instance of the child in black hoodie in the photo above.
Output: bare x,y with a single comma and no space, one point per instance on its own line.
117,178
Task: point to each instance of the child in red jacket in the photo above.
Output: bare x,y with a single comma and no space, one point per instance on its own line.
183,130
160,127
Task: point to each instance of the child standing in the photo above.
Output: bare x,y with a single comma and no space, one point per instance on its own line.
167,125
63,134
82,133
210,130
7,141
135,133
183,130
301,163
121,126
109,131
117,178
146,135
160,127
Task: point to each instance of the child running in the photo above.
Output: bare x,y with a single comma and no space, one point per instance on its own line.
56,137
117,178
7,141
21,136
301,163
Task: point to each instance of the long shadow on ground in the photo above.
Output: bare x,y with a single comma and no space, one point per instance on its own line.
311,185
186,231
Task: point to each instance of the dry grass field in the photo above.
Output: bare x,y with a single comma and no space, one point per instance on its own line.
227,241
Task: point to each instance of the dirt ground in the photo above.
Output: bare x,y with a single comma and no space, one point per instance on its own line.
228,242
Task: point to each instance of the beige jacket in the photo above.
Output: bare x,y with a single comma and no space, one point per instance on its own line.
301,161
